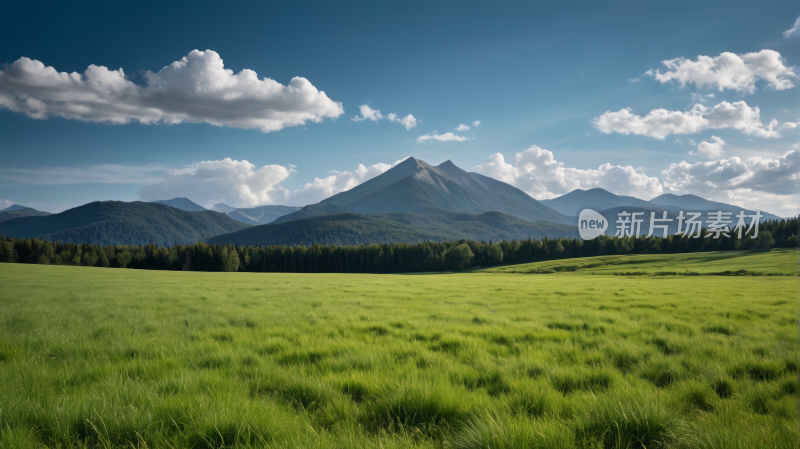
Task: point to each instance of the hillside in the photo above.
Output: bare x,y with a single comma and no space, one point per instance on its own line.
350,228
414,185
24,212
14,207
121,223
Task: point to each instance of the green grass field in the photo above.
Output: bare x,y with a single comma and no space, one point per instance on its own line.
96,357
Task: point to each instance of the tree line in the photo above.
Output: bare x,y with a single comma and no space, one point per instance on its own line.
376,258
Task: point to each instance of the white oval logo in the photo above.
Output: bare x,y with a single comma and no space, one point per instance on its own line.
591,224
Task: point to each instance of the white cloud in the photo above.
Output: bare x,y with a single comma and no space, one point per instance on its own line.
729,71
536,172
678,142
446,137
758,182
462,127
476,123
633,80
4,204
794,30
711,150
227,180
790,125
691,142
196,89
95,174
321,188
660,123
367,113
408,121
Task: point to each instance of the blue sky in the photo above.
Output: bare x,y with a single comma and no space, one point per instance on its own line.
538,77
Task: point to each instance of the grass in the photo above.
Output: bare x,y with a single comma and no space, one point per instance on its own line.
93,357
775,262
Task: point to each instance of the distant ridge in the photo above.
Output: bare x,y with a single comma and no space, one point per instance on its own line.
349,228
182,204
122,223
15,207
601,200
222,207
414,185
21,212
261,214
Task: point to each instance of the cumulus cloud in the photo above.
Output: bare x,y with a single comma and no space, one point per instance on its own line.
4,204
794,30
536,172
476,123
211,182
729,71
711,150
660,123
633,80
446,137
758,182
195,89
367,113
408,121
462,127
338,181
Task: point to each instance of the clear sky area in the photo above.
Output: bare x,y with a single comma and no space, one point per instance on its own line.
291,102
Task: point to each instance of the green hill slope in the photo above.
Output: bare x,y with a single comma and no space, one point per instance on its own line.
776,261
394,227
121,223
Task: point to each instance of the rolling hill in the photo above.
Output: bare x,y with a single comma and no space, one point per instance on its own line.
121,223
430,224
414,185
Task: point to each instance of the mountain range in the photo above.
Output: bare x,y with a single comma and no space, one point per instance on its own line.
429,224
252,215
121,223
411,202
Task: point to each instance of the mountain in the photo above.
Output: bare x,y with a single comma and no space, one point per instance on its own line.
182,204
601,200
23,212
428,224
14,207
261,214
414,185
122,223
222,207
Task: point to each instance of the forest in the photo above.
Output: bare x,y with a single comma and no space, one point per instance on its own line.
378,258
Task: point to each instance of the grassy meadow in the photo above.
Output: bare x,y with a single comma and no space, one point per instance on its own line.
579,357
